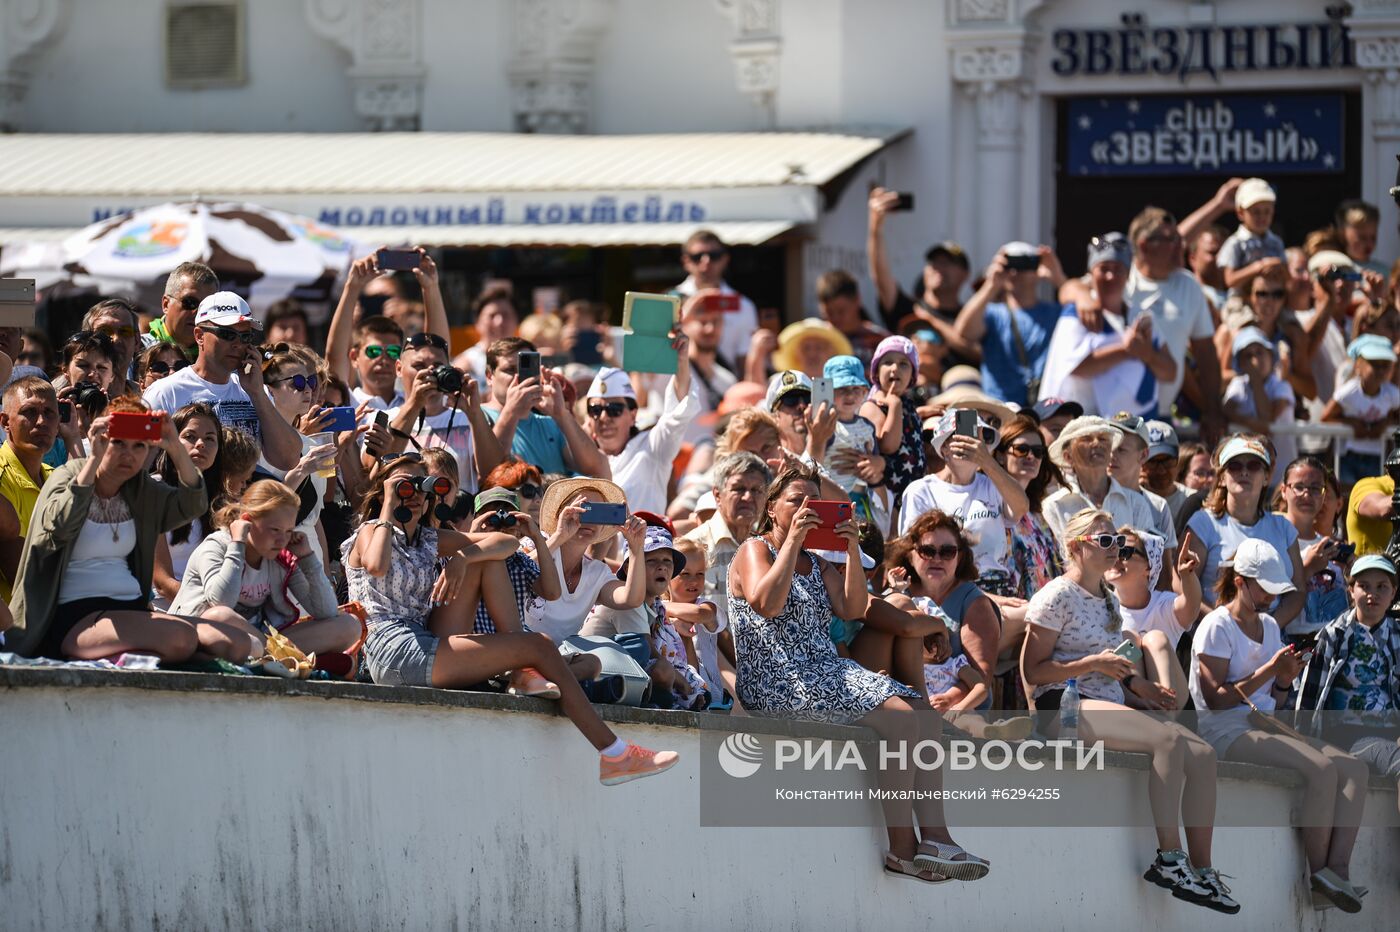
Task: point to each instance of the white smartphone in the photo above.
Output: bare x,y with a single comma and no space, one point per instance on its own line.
822,392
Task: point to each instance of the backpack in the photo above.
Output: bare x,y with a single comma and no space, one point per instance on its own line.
623,681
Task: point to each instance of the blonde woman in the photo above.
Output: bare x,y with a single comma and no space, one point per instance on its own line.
1073,626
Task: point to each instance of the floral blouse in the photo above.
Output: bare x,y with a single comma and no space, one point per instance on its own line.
1035,556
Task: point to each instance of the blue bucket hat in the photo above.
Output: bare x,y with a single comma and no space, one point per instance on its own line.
845,372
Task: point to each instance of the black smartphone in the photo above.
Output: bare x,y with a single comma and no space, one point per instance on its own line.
965,423
527,366
905,202
65,412
381,419
1022,263
397,260
603,513
1344,553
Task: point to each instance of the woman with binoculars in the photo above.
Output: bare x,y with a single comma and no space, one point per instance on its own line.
392,564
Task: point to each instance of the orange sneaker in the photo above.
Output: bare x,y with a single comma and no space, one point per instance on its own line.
527,681
636,762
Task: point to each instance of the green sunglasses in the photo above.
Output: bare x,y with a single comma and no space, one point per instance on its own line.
374,352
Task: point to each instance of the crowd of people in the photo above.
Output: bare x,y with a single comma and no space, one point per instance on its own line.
1016,517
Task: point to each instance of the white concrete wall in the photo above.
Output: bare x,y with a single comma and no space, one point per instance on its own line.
134,809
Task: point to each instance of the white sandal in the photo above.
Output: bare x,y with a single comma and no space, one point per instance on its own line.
908,870
942,861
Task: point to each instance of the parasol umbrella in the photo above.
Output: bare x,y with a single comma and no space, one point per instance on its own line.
262,253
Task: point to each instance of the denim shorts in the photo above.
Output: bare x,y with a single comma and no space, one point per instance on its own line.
400,653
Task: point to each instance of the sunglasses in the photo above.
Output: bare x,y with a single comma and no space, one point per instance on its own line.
299,382
88,336
189,302
392,350
794,400
161,367
1127,553
113,332
228,335
930,552
1245,464
1306,489
1024,450
420,340
1277,294
714,255
614,409
1104,541
530,490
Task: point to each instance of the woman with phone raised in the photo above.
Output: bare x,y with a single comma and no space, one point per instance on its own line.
781,602
1075,636
84,581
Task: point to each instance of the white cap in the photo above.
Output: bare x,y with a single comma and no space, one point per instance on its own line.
1259,560
1254,191
611,383
1329,258
1018,248
707,502
223,309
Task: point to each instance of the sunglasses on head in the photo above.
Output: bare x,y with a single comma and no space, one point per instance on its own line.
419,340
392,350
795,400
1025,450
161,367
1127,553
299,382
614,409
930,552
529,490
86,336
1245,464
1104,541
699,255
228,335
407,456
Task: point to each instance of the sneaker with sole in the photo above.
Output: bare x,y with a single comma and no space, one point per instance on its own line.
1219,899
527,681
633,764
1173,871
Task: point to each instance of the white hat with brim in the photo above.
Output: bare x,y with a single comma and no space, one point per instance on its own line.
1085,426
1259,560
965,396
563,491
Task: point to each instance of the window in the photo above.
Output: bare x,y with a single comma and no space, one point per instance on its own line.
204,44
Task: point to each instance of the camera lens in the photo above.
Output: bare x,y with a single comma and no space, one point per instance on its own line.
405,488
90,397
447,378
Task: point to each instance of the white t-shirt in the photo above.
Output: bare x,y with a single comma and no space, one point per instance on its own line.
1082,620
1128,386
433,432
857,435
230,401
1356,403
1329,356
564,617
978,505
1219,636
1180,314
1222,535
180,557
1159,614
359,396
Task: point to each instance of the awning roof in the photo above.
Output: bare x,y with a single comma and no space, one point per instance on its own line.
215,165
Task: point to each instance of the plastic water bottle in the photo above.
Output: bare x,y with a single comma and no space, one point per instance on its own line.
1069,712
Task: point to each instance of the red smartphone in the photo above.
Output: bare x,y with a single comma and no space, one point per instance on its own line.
823,537
131,425
728,303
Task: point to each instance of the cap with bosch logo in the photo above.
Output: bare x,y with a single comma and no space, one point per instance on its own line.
948,250
785,383
223,309
496,498
845,372
1162,439
1254,191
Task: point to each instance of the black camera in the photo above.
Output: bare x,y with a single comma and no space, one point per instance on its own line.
1343,275
90,397
448,379
501,519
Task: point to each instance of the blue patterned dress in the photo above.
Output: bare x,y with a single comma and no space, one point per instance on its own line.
788,666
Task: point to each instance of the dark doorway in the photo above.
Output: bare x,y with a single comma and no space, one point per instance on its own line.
1088,206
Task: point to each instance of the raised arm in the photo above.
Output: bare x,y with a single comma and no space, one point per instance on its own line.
342,327
1221,203
886,289
971,324
436,311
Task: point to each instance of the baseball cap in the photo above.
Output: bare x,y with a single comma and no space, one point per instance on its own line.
1047,408
1244,339
1111,247
496,497
1329,258
1259,560
706,503
1132,424
784,383
1254,191
1371,346
1243,446
949,250
223,309
658,538
1161,438
1373,561
611,383
845,372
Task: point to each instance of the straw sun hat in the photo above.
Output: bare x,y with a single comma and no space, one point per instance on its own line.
560,493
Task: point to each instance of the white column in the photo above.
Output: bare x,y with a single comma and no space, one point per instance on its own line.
1375,28
385,42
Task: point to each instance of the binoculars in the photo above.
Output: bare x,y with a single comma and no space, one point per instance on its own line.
428,485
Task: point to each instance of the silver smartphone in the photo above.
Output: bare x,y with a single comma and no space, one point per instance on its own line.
822,392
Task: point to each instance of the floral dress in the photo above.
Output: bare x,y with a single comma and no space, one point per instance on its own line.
788,665
1035,559
906,464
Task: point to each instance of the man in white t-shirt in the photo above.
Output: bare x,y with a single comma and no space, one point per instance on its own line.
228,375
427,417
705,258
1181,316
